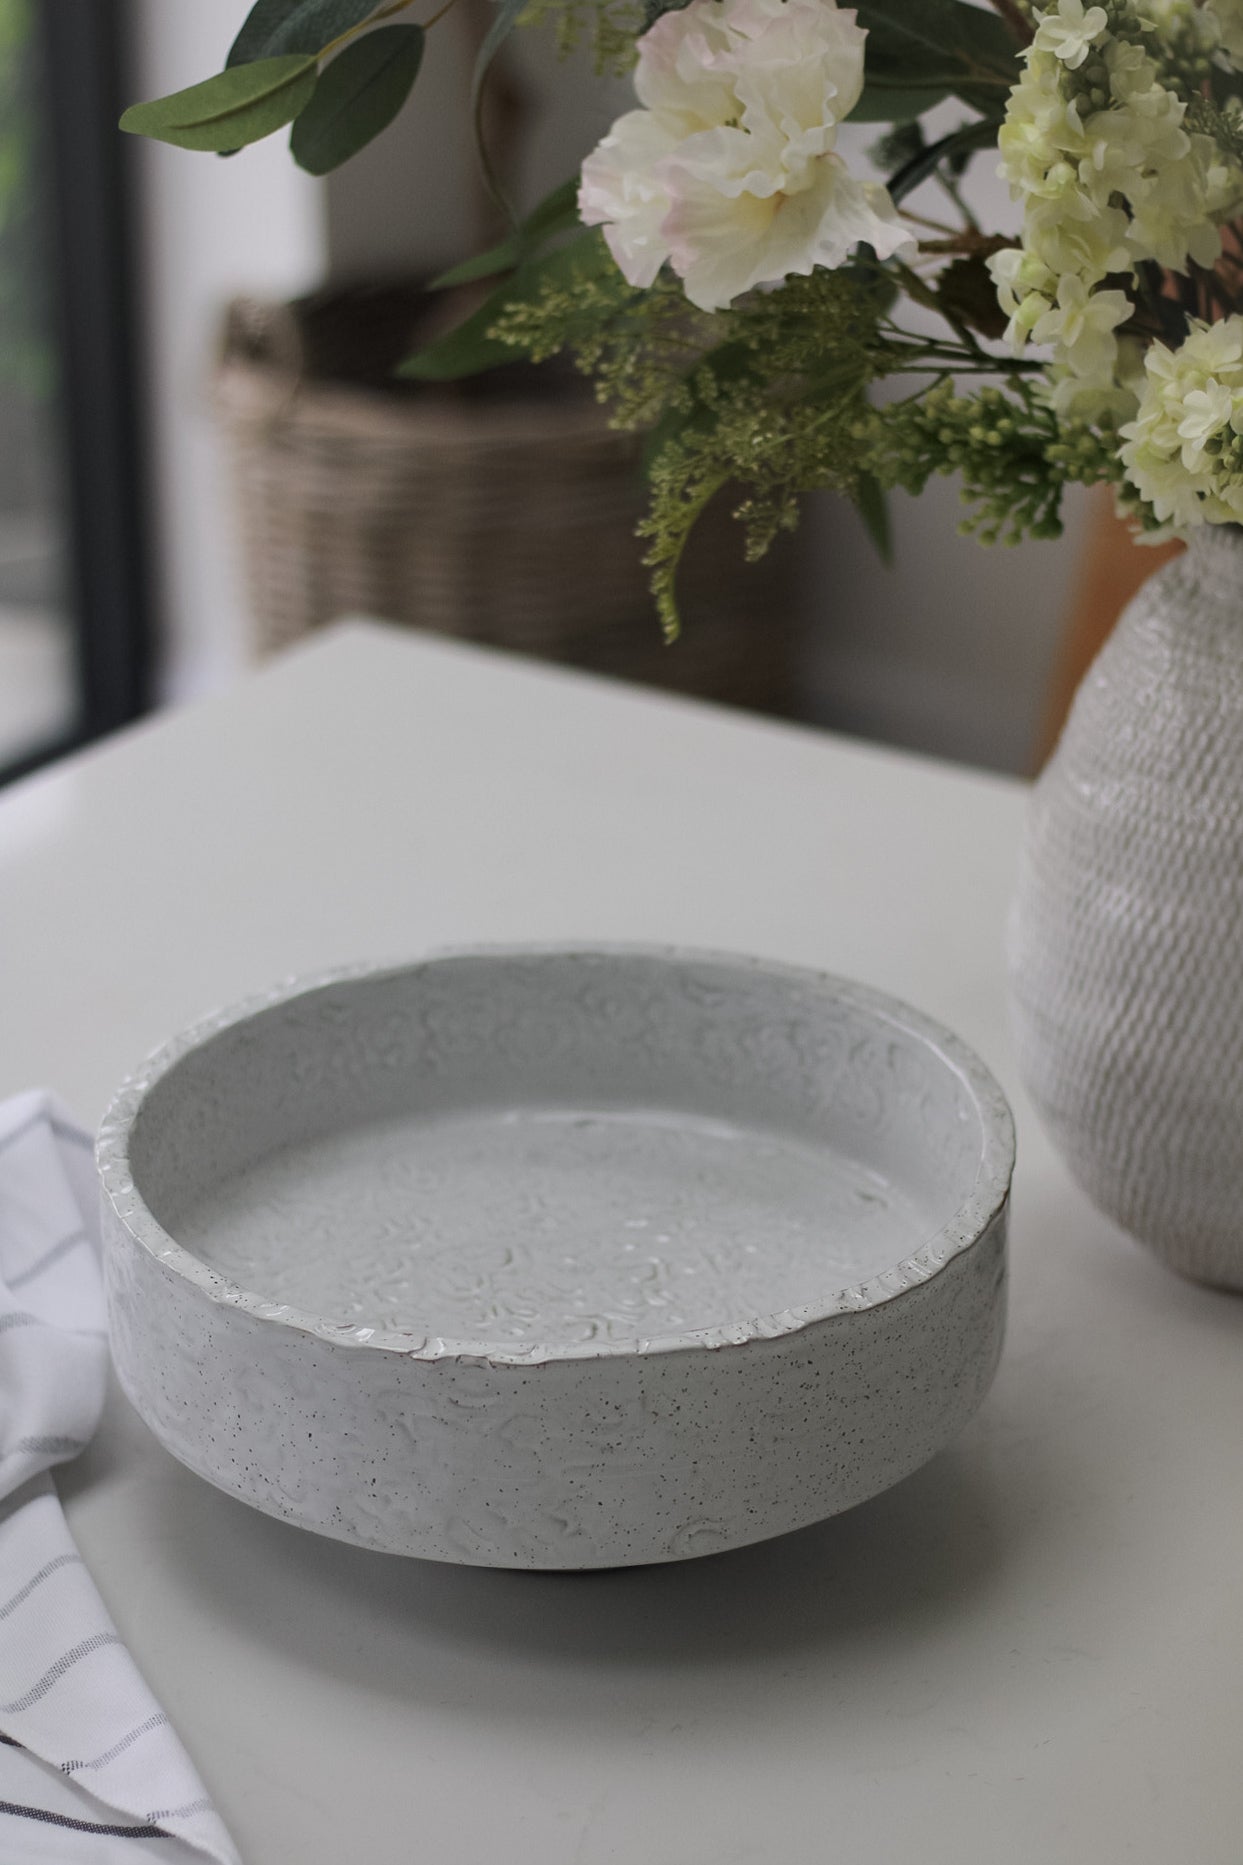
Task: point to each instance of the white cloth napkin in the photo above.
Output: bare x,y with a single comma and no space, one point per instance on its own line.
90,1767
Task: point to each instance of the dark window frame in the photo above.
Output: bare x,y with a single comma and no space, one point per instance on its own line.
83,61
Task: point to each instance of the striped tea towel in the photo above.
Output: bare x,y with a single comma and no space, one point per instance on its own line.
90,1768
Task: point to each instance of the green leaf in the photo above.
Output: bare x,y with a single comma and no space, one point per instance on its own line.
873,508
357,96
960,142
469,349
557,214
918,51
967,295
901,144
466,351
230,110
948,35
273,27
508,13
656,9
881,105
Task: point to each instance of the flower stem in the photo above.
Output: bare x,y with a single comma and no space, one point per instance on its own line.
1015,19
384,12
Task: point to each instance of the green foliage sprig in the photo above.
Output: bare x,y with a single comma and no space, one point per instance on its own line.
1014,457
764,397
779,391
606,28
769,398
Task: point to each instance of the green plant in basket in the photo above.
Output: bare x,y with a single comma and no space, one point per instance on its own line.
744,293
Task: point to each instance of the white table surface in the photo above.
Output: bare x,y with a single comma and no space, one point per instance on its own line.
1032,1651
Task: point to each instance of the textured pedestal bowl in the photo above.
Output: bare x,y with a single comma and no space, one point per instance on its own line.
558,1259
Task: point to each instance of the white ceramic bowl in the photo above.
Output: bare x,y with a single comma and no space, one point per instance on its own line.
550,1258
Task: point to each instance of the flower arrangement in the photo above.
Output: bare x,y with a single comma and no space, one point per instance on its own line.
743,292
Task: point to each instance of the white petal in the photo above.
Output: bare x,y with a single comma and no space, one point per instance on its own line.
621,189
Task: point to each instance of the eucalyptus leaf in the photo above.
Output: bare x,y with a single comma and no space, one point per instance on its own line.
655,9
919,51
903,143
466,351
228,111
357,96
873,508
959,143
274,27
497,259
880,104
469,349
944,35
556,214
508,13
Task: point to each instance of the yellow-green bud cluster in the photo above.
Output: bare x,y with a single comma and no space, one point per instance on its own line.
1014,457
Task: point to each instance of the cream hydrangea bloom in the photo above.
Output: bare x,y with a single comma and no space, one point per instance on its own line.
1212,26
1096,147
729,170
1121,184
1082,324
1227,16
1183,452
1068,31
1041,131
1104,397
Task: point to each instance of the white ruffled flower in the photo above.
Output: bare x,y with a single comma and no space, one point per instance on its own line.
729,171
1068,33
623,186
1183,452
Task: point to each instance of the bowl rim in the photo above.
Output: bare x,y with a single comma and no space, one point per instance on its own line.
972,1219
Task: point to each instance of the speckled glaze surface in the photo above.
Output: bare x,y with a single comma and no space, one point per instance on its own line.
558,1258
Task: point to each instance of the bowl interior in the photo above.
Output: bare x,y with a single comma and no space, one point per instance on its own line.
559,1148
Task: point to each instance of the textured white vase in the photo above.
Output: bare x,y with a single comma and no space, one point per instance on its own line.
1126,937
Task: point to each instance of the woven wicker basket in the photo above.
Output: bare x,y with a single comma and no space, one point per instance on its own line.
501,514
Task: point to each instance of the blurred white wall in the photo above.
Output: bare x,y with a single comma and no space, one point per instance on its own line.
211,227
950,651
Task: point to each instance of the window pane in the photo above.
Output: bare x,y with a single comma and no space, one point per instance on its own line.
38,696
